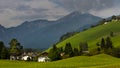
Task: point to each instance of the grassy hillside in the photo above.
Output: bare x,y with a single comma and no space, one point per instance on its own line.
98,61
94,35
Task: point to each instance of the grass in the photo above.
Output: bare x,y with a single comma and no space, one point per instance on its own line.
98,61
91,36
94,35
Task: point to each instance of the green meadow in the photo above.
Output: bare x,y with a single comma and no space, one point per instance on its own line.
94,35
97,61
91,36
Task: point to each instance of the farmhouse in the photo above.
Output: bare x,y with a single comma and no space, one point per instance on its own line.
106,23
26,58
43,57
12,57
15,57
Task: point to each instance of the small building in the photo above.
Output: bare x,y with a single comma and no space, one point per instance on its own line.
62,54
85,51
12,57
25,58
106,23
43,59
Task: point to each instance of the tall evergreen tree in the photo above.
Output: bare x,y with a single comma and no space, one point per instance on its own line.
76,52
68,50
102,43
83,46
15,47
3,51
54,53
1,46
111,34
108,43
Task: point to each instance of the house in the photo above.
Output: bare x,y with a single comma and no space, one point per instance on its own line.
26,58
86,52
12,57
106,23
62,54
43,59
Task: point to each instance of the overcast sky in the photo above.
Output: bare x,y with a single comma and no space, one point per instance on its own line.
15,12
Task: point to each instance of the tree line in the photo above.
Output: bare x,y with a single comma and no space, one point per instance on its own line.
56,53
15,49
105,45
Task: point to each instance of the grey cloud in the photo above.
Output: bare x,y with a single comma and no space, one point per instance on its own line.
85,5
39,10
29,17
2,11
23,7
14,12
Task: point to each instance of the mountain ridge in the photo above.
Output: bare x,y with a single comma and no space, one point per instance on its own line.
43,33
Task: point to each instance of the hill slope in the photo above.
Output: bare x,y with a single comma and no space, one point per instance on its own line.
98,61
94,35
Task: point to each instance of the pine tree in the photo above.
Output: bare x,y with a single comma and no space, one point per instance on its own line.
68,50
15,47
54,53
3,51
111,34
76,52
102,43
109,43
1,47
83,46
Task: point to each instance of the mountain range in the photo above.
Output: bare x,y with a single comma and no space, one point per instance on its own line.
44,33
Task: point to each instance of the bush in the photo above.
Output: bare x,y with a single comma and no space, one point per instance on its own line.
94,52
116,52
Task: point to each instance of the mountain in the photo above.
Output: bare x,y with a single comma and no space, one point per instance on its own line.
23,30
43,33
94,35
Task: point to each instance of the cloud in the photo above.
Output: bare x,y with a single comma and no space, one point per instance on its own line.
106,12
85,5
14,12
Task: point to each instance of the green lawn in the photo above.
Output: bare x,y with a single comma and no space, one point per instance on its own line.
98,61
94,35
91,36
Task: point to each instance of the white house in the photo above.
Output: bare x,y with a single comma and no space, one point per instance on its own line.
14,57
26,58
43,59
106,23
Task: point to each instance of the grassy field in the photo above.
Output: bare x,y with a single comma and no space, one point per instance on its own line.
94,35
91,36
98,61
